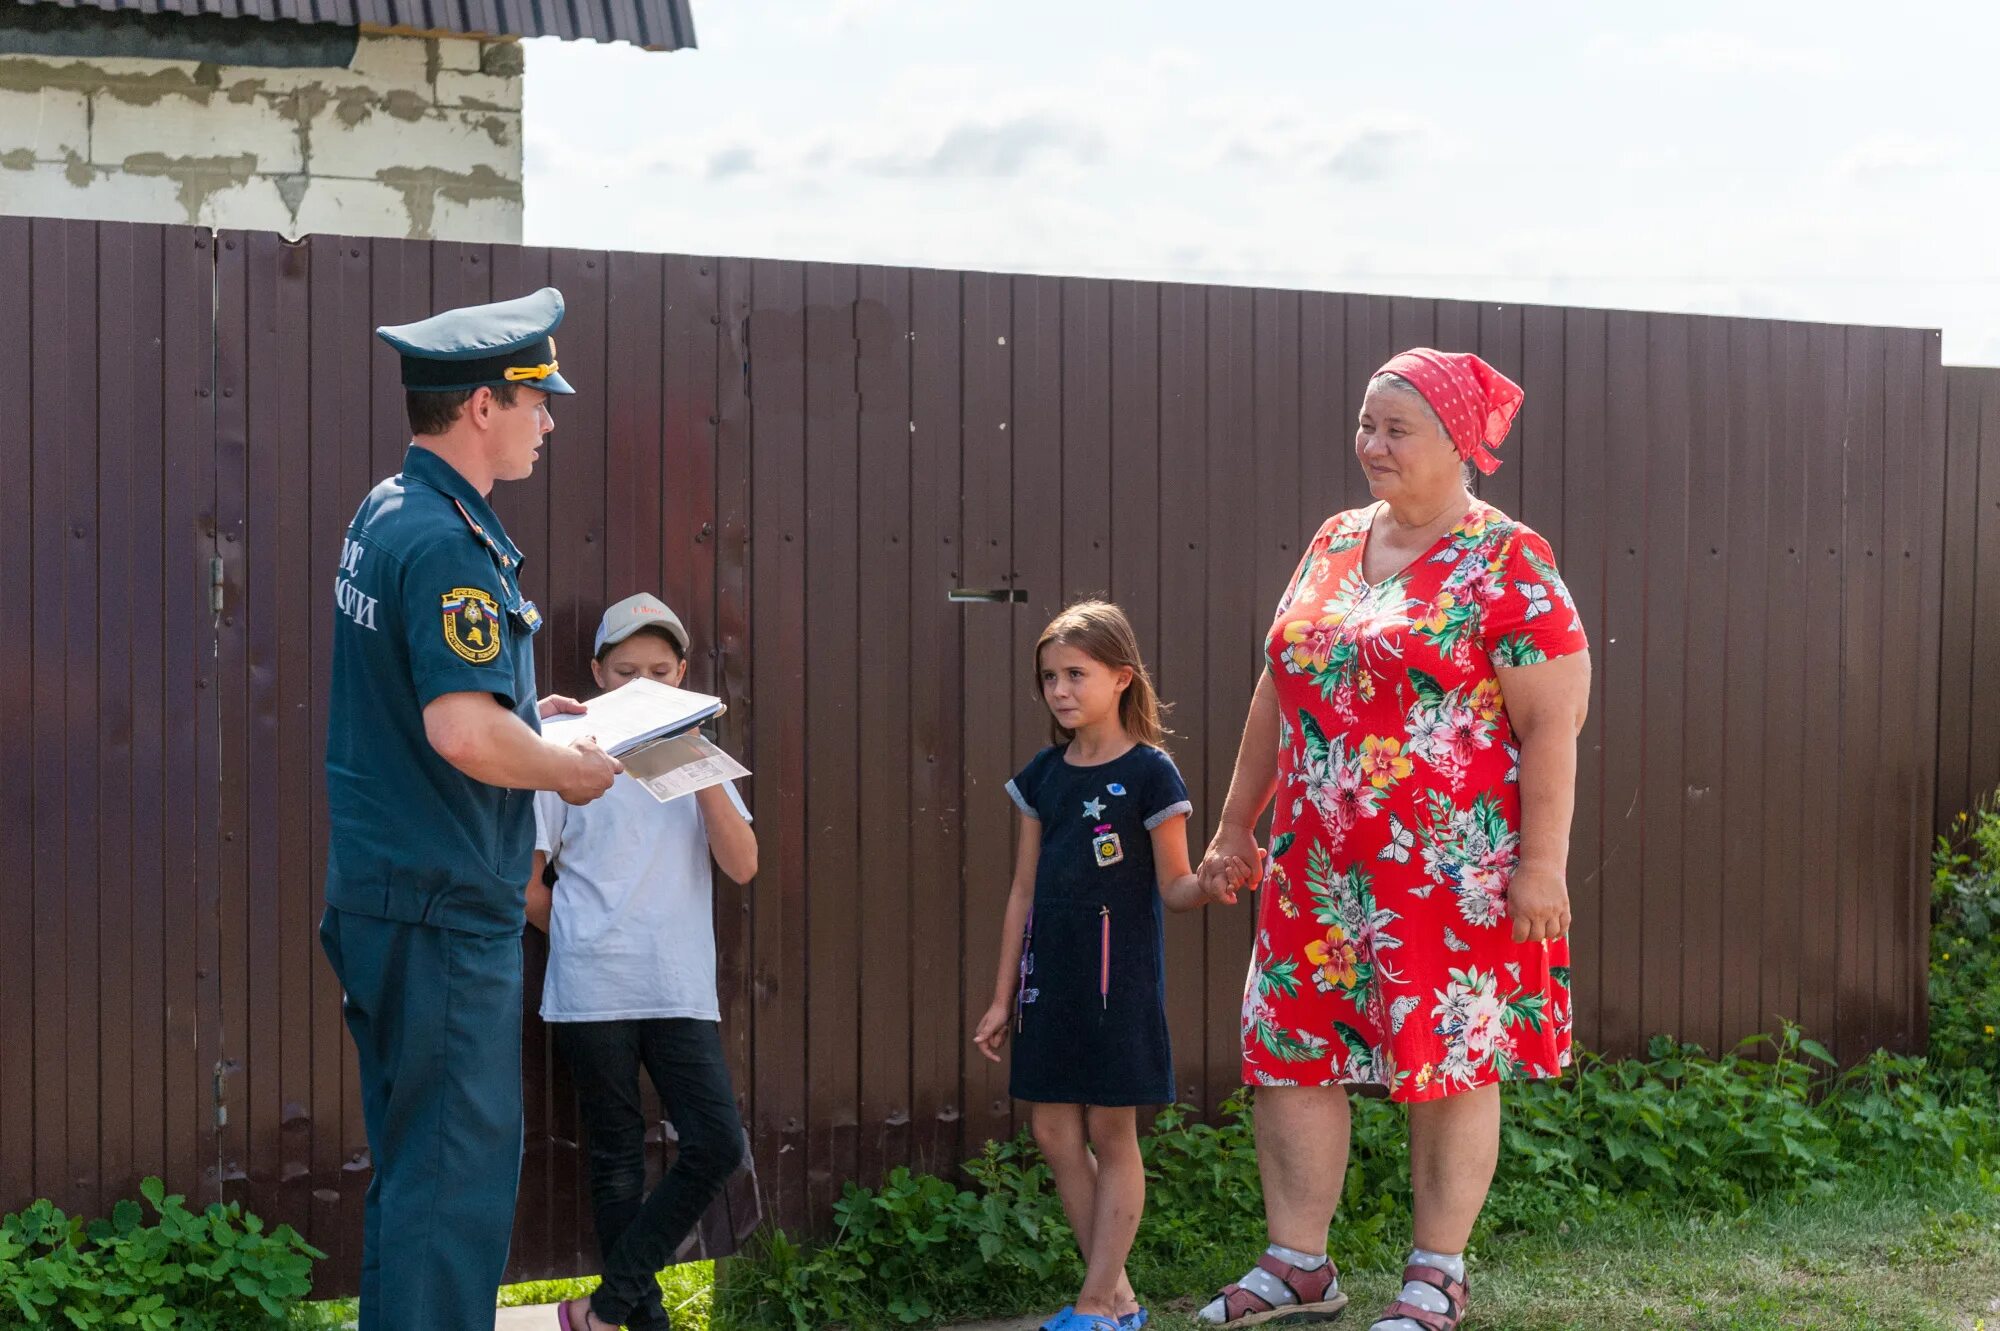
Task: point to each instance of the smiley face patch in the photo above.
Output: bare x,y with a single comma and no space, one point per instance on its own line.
472,624
1106,848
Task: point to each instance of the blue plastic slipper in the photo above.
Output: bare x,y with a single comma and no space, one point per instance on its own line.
1069,1319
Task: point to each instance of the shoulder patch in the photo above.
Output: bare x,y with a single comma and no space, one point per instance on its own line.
472,624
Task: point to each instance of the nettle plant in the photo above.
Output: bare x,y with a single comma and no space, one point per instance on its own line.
213,1270
1965,953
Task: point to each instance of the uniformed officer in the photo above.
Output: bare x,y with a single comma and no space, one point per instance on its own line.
433,747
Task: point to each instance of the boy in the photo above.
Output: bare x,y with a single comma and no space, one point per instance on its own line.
631,983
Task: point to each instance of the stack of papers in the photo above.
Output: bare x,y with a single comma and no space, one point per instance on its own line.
652,728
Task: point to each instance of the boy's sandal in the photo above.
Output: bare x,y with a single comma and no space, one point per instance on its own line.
1134,1320
1453,1291
1246,1307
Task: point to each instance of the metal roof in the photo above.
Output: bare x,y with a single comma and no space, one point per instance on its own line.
656,25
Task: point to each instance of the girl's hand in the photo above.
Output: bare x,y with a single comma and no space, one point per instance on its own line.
991,1035
1232,863
1538,903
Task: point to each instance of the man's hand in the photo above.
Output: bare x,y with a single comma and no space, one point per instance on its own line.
1233,862
557,705
595,770
1538,903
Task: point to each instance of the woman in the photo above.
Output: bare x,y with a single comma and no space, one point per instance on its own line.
1427,677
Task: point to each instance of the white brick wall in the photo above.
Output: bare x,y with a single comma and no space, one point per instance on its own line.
181,127
368,150
51,123
447,140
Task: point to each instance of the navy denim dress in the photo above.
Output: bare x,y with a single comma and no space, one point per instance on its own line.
1090,1012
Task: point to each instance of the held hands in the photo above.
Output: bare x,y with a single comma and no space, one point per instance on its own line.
991,1034
1538,903
592,774
1233,862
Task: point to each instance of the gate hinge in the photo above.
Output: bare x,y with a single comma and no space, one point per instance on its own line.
215,584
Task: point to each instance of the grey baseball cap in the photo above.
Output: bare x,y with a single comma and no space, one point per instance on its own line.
643,611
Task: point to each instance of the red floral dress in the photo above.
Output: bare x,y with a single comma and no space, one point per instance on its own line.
1384,954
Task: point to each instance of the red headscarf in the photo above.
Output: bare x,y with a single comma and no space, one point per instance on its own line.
1475,401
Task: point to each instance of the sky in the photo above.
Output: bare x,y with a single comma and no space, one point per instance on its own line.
1825,161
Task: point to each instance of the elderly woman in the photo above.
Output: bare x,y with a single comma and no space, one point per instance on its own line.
1417,721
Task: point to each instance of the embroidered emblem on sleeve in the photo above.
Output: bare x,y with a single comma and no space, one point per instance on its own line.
472,624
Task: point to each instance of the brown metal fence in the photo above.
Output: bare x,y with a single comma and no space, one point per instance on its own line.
1746,511
1969,676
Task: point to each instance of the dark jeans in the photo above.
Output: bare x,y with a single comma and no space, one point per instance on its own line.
636,1233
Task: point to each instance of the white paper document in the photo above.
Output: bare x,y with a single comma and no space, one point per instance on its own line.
681,765
635,714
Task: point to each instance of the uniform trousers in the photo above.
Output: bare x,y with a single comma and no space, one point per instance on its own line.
436,1019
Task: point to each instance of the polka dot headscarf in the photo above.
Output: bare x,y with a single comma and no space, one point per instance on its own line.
1475,401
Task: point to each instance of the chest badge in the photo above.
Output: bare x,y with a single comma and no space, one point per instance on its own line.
1093,809
1106,848
472,624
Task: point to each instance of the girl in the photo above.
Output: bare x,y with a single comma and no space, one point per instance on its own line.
1082,980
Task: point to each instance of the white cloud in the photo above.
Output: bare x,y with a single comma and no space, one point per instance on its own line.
1357,148
1717,54
998,149
1891,154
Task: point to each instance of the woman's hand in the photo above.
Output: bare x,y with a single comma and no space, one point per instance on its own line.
1233,862
991,1035
1538,903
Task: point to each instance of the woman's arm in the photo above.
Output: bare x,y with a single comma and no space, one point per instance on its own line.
1179,888
991,1034
541,897
1547,703
1232,860
731,839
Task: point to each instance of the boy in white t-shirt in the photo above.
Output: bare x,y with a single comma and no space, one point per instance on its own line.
631,983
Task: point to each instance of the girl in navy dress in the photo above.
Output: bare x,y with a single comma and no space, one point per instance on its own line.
1082,980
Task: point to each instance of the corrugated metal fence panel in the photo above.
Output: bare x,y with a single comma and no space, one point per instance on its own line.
1969,701
109,1016
1752,557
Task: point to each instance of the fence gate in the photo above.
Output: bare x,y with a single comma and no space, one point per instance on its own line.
112,964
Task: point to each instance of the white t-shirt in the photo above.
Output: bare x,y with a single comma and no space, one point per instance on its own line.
633,932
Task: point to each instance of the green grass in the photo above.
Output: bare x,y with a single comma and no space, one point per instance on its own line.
688,1292
1865,1258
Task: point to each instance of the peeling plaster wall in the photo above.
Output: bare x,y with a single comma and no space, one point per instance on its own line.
420,137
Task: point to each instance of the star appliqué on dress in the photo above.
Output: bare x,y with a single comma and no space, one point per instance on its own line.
1093,808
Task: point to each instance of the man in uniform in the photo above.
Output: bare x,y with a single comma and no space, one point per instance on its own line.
433,749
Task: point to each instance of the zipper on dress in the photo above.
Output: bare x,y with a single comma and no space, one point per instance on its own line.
1104,959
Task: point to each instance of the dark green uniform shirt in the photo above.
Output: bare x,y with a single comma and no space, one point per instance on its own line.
427,602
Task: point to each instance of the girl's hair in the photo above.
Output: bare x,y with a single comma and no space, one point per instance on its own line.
1100,631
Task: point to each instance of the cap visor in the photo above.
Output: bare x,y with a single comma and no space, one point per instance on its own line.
555,383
